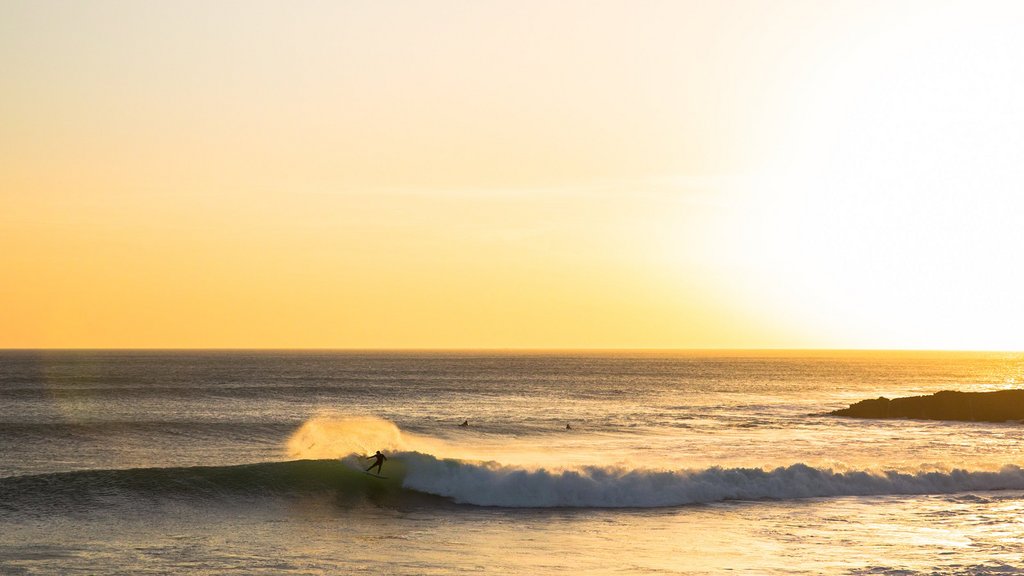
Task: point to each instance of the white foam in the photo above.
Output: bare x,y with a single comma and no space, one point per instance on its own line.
492,484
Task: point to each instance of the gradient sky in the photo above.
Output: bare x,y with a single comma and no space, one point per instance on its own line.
512,174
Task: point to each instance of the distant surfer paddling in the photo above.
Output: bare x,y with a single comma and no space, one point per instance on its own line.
378,461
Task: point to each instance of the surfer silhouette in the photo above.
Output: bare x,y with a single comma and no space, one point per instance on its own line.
380,458
464,423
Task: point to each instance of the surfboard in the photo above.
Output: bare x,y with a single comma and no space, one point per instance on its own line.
375,475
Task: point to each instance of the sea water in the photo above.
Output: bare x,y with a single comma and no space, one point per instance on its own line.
603,463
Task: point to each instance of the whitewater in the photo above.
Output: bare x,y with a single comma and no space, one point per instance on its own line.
686,463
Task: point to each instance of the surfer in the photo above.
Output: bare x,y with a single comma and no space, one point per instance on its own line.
568,427
380,458
464,423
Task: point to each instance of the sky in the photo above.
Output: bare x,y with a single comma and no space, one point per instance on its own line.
512,174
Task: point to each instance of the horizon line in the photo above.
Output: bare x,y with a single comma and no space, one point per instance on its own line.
505,349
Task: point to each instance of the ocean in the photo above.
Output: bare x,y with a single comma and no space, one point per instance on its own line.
251,462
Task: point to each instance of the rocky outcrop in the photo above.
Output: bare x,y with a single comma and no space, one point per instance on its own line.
996,406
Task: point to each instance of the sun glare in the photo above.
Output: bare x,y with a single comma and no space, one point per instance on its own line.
890,217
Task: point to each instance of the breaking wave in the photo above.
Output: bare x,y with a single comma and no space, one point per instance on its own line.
424,478
611,487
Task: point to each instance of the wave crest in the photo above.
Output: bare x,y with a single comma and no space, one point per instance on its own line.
492,484
428,480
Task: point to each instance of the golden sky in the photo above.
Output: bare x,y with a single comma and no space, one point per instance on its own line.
524,174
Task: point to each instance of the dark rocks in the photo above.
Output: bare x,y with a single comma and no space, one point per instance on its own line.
996,406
